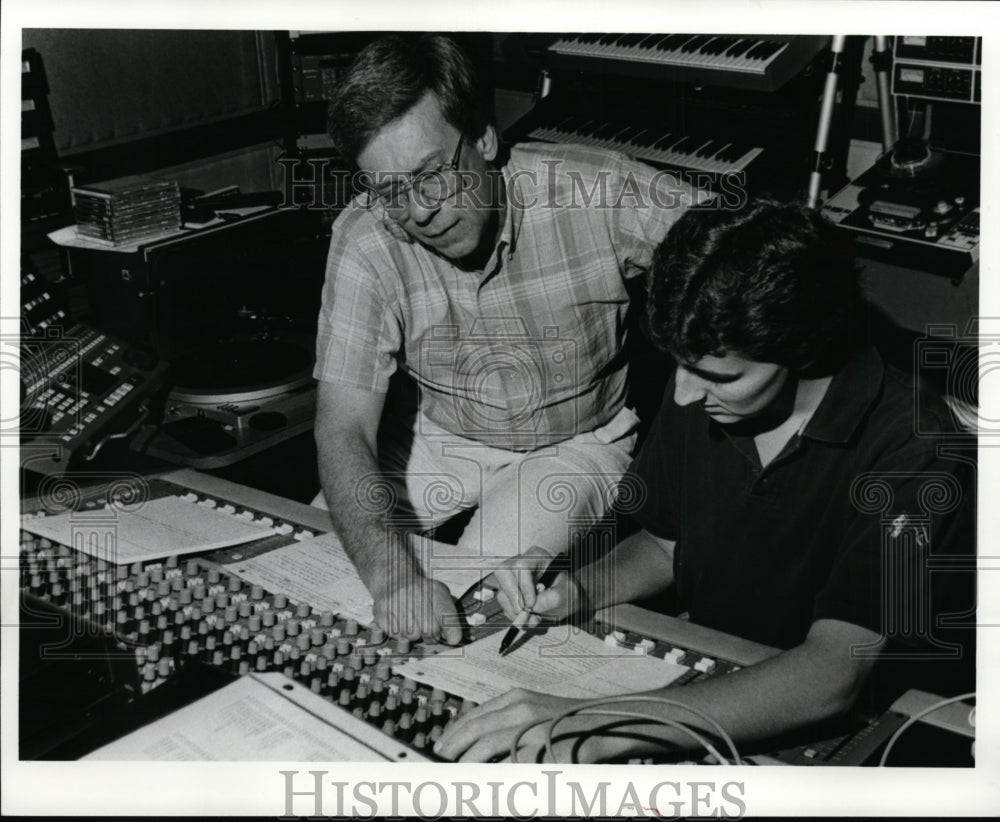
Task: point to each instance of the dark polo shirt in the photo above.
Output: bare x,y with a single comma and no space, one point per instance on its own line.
857,519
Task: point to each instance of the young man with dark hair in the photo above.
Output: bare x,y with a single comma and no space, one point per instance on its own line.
785,495
499,286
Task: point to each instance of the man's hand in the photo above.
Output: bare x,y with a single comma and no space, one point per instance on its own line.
489,730
418,608
516,578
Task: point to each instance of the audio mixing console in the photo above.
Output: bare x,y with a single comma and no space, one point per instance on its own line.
165,615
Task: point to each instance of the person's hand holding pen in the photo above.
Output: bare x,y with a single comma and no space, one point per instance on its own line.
518,596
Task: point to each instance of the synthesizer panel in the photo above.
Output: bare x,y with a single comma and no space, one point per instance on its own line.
77,383
164,615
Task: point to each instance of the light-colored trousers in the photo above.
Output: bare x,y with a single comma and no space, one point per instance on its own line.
521,499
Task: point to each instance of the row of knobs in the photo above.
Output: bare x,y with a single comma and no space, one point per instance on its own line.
172,613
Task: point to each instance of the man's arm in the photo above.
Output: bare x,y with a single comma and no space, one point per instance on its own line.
817,680
638,566
405,602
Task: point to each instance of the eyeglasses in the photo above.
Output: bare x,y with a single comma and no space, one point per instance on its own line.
432,187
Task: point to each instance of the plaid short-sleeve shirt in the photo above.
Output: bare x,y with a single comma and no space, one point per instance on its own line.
528,352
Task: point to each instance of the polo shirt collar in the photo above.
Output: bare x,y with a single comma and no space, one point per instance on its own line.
852,392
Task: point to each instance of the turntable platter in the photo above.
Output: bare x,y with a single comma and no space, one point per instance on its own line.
240,370
910,157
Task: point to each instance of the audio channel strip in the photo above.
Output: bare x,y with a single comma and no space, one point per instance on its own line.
164,617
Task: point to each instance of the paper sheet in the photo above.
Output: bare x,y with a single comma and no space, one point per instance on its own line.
319,572
158,528
448,564
245,721
316,571
564,661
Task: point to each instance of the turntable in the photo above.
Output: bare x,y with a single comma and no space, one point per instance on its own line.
917,207
232,400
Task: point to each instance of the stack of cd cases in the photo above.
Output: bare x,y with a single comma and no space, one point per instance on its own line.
126,210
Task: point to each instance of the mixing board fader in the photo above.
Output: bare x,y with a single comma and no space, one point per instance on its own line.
167,614
174,612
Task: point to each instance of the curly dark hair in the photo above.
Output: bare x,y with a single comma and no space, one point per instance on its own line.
391,75
772,282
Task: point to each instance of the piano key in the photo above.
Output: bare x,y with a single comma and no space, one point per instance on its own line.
714,163
607,130
565,124
679,145
688,159
704,55
646,50
581,44
651,40
586,138
638,139
719,45
684,155
764,50
630,40
621,46
573,123
679,50
740,47
729,152
772,48
694,43
581,131
674,41
707,49
702,51
695,151
547,134
605,138
575,126
732,152
643,46
734,58
665,141
644,138
711,148
720,57
602,47
628,134
622,140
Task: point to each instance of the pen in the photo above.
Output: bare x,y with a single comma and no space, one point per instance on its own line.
559,563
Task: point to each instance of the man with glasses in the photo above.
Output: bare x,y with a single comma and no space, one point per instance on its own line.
498,284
